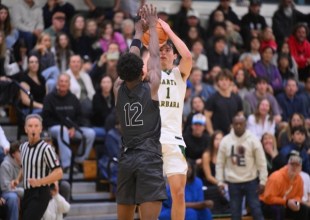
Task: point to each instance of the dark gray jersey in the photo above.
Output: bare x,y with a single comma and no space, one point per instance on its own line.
139,117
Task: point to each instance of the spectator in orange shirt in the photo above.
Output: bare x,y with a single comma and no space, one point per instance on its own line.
284,190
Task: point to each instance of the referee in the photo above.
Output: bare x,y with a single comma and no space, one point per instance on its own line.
40,167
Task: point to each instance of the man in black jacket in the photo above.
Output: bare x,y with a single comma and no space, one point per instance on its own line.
284,19
61,107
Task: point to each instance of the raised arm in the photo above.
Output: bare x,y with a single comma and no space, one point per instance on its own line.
153,63
134,48
185,65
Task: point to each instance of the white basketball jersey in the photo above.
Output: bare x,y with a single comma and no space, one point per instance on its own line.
171,100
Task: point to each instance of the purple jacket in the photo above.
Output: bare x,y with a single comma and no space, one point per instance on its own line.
118,39
272,75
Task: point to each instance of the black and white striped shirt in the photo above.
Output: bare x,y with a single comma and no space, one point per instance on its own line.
37,161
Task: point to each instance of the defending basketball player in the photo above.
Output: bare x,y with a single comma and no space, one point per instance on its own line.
171,99
140,180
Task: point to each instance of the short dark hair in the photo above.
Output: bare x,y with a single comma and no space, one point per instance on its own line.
129,67
301,129
299,25
261,79
170,44
290,79
225,73
219,38
14,146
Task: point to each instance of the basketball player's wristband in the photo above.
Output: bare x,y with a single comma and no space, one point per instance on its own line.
137,18
136,43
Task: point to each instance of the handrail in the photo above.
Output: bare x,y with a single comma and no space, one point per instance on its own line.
28,93
68,145
77,128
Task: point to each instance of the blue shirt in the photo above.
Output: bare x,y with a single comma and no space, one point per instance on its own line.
285,151
291,106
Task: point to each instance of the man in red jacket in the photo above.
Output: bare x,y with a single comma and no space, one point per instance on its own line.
300,49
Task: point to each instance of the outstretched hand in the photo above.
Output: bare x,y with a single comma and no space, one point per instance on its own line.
149,14
139,25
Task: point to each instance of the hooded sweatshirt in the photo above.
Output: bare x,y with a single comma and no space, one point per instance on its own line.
241,159
9,171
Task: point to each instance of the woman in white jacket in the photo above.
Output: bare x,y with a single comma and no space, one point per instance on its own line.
262,120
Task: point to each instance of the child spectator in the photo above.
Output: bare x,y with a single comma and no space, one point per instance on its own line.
57,206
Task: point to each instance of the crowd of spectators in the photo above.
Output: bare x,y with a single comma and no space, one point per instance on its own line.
67,61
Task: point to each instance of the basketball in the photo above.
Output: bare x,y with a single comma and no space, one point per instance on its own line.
162,36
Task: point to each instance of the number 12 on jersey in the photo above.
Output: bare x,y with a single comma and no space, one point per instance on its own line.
132,114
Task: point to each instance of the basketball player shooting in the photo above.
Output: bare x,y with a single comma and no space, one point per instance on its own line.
171,100
140,180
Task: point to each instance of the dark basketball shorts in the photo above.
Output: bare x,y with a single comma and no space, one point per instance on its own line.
140,178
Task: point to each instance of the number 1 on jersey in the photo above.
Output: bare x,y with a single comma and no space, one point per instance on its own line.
168,93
